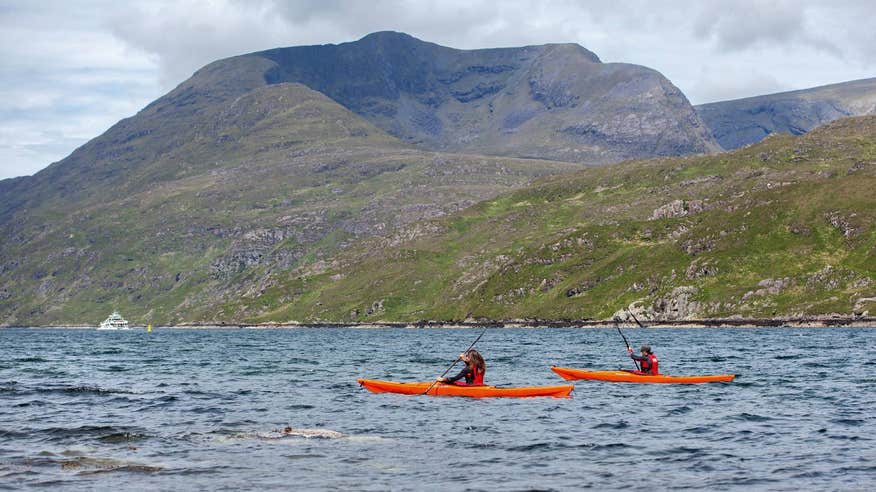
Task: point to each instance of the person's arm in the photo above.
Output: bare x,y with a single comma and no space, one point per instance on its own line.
463,373
637,357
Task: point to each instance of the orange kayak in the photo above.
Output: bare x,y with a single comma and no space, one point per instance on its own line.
440,389
568,373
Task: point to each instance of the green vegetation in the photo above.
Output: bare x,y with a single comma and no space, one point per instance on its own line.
782,228
283,206
209,209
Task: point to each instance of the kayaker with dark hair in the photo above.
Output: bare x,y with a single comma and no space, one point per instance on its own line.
473,372
648,360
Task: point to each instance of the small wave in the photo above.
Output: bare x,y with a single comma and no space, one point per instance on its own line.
531,447
31,359
300,407
160,402
750,417
843,437
98,432
307,361
849,422
32,403
612,445
82,390
11,434
678,450
88,465
680,410
304,456
617,425
698,430
118,437
109,351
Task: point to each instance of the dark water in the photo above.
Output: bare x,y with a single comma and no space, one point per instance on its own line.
187,409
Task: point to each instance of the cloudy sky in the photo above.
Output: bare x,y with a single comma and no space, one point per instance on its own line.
70,70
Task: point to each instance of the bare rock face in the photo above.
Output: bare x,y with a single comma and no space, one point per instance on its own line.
769,287
698,269
679,304
746,121
678,208
556,101
843,224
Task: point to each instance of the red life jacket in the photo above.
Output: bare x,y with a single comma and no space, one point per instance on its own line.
478,376
653,363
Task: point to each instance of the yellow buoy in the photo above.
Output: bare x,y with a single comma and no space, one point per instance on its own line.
148,328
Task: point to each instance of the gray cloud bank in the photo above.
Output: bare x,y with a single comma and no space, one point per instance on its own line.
72,69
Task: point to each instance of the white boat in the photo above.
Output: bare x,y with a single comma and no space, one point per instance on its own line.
114,322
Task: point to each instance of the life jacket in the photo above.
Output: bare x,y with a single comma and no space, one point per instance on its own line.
652,365
478,376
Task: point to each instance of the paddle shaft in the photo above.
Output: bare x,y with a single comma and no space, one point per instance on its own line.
629,349
636,319
455,361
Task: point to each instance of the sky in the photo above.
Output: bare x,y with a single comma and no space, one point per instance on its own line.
70,70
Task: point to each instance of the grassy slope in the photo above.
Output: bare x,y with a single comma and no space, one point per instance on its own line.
278,178
787,229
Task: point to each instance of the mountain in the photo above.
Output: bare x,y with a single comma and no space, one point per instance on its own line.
265,163
554,101
746,121
187,204
786,227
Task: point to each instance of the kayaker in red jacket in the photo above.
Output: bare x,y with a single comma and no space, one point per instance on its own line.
473,372
648,361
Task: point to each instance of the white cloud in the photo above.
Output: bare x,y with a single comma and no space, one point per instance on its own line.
70,70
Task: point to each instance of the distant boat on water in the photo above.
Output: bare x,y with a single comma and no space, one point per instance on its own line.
114,322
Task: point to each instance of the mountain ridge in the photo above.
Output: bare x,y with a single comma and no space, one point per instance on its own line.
744,121
500,101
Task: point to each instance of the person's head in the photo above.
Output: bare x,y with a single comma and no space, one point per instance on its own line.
473,358
646,349
287,430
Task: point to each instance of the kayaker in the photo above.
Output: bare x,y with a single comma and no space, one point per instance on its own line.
473,372
647,360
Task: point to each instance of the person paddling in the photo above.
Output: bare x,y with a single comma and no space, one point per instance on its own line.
473,372
648,361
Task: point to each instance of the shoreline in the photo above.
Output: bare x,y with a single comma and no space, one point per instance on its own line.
804,322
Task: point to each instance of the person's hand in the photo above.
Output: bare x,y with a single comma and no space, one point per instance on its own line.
440,379
462,356
630,350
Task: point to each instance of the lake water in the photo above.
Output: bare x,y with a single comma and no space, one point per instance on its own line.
201,409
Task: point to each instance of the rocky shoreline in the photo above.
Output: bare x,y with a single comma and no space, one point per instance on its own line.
832,321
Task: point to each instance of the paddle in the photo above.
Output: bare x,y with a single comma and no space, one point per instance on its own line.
455,361
629,349
635,318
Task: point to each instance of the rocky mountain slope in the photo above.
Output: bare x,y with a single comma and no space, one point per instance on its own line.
552,101
167,212
746,121
786,227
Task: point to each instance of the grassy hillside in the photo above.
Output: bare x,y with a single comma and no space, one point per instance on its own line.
167,218
782,228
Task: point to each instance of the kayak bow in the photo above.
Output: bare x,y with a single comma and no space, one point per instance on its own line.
569,374
441,389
